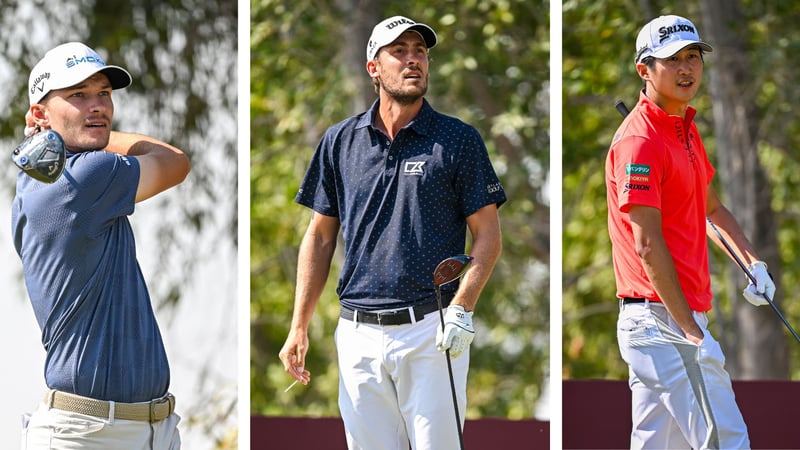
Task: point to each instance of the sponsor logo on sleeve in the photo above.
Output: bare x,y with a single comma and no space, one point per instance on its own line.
638,177
637,169
495,187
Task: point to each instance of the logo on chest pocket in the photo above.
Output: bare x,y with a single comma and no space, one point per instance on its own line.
413,168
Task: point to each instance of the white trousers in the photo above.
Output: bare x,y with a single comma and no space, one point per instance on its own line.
49,428
681,394
394,387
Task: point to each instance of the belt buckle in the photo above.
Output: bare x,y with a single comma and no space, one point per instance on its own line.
386,315
380,315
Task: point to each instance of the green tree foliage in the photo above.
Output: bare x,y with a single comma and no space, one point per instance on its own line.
491,70
598,51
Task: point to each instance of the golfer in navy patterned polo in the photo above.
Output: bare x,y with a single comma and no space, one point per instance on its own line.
404,183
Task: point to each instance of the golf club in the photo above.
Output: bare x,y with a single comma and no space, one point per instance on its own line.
41,155
620,105
449,270
751,277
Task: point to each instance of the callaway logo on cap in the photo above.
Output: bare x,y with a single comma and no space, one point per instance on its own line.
666,35
67,65
390,29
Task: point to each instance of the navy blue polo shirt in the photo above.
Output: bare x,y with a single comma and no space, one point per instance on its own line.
402,204
87,290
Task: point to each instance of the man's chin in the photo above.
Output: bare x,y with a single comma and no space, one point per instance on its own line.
408,96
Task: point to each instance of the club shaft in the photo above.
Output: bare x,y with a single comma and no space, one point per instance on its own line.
455,399
751,277
450,372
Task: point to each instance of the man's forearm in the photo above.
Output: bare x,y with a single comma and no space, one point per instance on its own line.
313,267
660,269
730,230
135,144
486,249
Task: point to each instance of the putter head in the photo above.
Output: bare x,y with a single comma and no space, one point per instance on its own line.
41,156
450,269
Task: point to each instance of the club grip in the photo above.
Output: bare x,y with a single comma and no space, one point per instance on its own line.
620,105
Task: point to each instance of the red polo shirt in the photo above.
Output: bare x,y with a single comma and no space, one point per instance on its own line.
658,160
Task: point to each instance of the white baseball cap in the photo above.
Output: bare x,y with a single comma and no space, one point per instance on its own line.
666,35
390,29
67,65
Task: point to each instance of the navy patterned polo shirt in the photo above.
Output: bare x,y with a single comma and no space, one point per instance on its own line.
402,204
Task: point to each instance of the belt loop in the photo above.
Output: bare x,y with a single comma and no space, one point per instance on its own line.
112,405
50,396
412,314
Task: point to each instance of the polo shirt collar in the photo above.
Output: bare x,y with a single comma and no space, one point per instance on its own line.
656,110
420,124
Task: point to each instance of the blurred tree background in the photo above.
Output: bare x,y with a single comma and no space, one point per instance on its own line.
182,55
490,68
747,118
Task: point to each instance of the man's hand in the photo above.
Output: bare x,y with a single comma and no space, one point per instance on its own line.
30,125
293,356
458,331
753,293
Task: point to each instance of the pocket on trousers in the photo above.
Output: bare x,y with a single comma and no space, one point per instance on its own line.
710,349
73,425
636,328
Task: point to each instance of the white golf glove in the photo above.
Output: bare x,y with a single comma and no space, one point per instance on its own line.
458,331
764,285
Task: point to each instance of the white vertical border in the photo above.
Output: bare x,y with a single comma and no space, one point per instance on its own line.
243,206
555,225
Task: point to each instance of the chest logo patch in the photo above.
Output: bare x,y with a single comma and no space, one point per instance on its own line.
414,168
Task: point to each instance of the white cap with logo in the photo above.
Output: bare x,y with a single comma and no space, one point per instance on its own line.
67,65
390,29
666,35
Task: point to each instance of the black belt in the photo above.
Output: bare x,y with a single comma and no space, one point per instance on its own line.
397,317
629,300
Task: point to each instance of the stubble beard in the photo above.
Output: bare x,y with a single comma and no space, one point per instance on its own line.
405,97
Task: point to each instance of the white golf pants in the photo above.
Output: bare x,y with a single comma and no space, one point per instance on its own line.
49,428
681,394
394,387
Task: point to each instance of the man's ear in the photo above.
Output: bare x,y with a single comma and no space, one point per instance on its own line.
38,115
642,70
372,68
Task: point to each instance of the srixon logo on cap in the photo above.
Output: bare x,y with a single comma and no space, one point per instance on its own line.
397,22
664,32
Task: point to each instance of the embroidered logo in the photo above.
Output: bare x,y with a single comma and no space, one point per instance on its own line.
414,168
637,169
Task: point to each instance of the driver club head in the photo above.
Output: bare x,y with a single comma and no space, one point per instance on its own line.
41,156
451,269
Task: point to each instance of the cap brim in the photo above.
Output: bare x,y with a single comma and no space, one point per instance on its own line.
674,47
117,76
427,33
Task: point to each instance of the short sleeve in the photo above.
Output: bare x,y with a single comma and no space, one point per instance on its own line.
476,180
637,171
